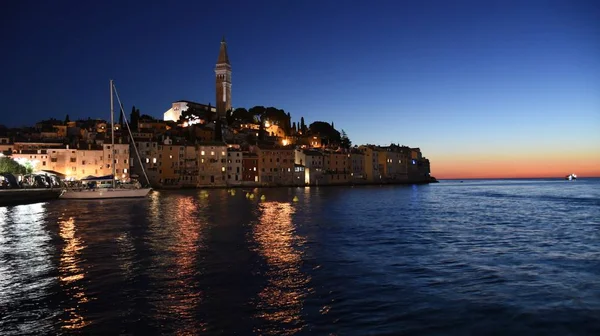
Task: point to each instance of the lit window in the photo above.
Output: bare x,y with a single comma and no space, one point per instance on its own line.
254,168
222,153
125,170
223,169
202,160
153,160
202,153
212,153
170,156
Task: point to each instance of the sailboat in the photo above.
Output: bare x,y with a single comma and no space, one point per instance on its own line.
100,191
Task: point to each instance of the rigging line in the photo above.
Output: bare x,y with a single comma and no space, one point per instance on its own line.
131,135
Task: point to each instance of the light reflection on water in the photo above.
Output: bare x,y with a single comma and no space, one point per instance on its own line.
451,258
71,275
176,239
24,265
280,302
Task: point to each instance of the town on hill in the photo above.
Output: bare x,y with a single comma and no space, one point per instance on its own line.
198,145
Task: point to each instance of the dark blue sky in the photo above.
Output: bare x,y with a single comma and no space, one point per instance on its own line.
449,76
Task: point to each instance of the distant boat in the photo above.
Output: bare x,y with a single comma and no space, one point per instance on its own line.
96,189
571,177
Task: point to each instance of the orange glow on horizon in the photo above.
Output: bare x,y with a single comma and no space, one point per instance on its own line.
557,165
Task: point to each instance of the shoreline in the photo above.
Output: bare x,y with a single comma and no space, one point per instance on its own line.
259,185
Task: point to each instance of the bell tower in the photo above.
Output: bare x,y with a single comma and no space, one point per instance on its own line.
223,81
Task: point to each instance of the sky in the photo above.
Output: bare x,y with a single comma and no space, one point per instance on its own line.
484,88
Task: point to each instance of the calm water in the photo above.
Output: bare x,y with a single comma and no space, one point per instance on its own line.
479,257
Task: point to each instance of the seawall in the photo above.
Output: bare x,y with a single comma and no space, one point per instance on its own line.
26,196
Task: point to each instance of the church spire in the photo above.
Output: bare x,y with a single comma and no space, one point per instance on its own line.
223,81
223,57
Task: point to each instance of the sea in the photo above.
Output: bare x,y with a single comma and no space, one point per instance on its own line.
471,257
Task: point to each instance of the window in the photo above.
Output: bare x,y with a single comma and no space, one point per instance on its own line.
202,153
73,160
212,153
125,170
222,153
153,160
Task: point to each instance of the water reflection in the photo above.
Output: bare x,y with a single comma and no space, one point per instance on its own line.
175,249
280,302
71,274
24,265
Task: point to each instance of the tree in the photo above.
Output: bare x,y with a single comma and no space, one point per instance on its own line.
257,112
121,115
8,165
134,118
327,133
242,115
67,120
229,117
261,129
345,141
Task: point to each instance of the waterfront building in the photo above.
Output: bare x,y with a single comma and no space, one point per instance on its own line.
357,171
148,150
212,164
79,162
312,161
337,167
170,162
234,166
371,165
394,161
250,167
276,165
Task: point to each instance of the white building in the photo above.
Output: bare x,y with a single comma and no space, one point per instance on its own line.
180,106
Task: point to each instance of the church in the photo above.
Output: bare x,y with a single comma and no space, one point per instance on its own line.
223,92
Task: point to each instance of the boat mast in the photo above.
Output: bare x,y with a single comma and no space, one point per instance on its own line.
112,134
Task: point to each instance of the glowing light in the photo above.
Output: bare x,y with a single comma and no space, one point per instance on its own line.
285,142
282,299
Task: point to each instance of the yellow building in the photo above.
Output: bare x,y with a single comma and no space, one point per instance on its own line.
78,163
371,166
212,164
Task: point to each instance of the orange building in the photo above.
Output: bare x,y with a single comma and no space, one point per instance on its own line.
249,167
276,165
338,167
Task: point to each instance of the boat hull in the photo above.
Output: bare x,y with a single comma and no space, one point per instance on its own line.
107,193
27,196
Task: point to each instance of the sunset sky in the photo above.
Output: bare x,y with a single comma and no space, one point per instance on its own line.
484,88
